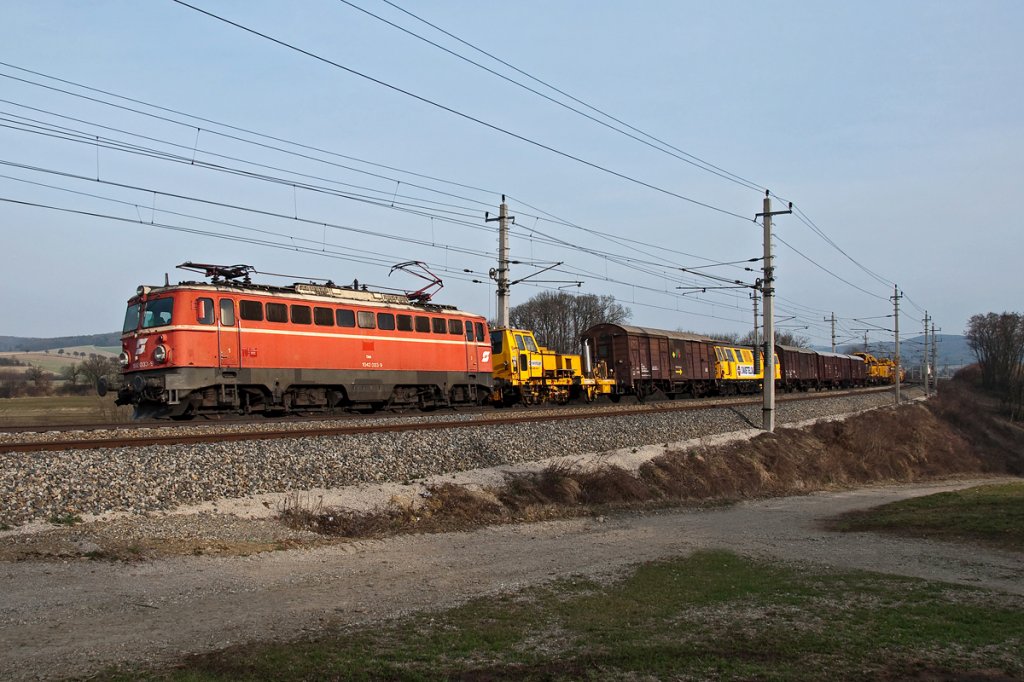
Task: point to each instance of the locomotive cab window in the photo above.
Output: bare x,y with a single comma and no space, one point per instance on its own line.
157,313
385,321
250,310
323,317
469,332
302,314
204,310
404,323
227,312
365,319
530,345
423,324
520,344
277,312
440,325
455,327
479,331
346,318
496,342
131,318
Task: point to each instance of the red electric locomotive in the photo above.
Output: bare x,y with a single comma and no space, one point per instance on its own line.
231,345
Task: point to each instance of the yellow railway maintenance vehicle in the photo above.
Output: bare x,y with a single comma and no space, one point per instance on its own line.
736,372
881,370
525,372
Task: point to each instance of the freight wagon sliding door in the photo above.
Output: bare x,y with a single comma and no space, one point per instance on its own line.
640,357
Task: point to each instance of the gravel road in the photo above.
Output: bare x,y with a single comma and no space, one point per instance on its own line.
71,618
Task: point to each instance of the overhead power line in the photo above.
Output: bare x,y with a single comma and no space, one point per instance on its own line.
661,146
468,117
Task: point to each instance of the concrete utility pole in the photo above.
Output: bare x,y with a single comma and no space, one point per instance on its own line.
768,292
896,303
500,274
833,319
757,342
924,357
865,341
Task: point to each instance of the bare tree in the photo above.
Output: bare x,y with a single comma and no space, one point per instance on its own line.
71,373
558,318
782,338
96,366
41,378
998,342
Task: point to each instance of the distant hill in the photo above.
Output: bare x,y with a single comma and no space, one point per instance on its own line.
953,349
9,344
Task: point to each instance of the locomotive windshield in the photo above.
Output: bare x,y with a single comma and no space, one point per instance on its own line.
157,312
131,318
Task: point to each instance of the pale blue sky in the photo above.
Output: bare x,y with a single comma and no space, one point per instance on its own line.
895,127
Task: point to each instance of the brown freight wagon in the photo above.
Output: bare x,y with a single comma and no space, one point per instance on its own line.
799,368
836,370
644,360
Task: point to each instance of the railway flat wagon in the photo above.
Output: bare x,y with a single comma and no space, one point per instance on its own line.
642,360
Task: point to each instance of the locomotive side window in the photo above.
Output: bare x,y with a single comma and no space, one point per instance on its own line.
469,332
324,317
204,311
366,319
496,342
227,312
250,310
277,312
346,318
157,313
301,314
479,330
131,318
385,321
455,327
440,325
423,324
520,344
405,323
530,345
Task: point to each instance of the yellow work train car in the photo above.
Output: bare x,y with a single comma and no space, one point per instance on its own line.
880,370
525,372
735,371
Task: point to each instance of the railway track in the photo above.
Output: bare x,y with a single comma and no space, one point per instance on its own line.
151,434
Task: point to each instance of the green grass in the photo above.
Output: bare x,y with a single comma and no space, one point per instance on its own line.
992,515
712,615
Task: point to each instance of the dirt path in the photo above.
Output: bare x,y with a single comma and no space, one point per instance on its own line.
71,618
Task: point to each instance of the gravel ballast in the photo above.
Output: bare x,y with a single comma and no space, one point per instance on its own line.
51,485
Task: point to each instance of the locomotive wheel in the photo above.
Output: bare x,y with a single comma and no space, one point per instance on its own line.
615,397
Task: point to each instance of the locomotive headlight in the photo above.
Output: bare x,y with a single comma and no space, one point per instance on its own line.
160,354
123,359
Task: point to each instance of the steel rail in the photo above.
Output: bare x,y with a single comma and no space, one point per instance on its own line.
141,440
